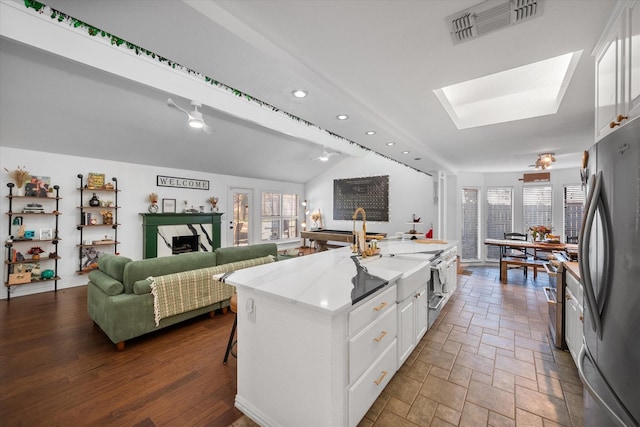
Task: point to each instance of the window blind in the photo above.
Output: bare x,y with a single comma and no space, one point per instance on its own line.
536,201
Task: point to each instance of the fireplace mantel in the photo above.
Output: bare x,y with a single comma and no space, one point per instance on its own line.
151,222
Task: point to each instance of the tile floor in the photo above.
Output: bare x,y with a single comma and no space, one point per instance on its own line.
487,361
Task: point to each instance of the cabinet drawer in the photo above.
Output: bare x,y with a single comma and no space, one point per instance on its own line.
365,347
574,285
365,391
371,310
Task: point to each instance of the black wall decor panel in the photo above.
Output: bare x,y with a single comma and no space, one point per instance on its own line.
371,193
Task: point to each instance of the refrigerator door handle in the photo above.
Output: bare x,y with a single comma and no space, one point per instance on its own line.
584,353
583,250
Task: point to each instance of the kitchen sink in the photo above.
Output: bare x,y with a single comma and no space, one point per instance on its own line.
415,272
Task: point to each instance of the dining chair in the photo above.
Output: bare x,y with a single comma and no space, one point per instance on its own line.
516,252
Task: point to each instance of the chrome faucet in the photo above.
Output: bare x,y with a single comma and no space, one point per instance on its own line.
356,245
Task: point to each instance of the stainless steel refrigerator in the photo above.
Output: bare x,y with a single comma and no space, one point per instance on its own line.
609,256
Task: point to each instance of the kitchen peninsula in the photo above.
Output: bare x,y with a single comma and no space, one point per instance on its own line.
307,353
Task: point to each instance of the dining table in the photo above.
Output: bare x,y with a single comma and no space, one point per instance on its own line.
532,248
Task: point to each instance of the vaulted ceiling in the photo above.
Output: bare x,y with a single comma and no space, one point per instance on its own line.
376,61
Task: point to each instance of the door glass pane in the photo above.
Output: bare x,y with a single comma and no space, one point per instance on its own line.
240,219
573,205
470,228
499,216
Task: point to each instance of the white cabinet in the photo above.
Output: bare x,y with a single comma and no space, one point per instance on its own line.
617,59
412,323
573,312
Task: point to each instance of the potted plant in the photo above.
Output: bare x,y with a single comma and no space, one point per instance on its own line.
19,176
35,252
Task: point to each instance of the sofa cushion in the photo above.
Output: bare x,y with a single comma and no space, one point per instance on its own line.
106,283
241,253
113,265
143,269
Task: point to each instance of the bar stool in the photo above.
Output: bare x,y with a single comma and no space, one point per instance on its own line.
234,309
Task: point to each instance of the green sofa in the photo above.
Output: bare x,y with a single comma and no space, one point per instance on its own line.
119,298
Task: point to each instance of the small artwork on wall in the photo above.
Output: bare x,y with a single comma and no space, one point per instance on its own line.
37,186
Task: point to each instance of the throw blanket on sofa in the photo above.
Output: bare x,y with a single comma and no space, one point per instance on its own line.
188,290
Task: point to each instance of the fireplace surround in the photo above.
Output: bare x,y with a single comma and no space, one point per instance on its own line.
155,231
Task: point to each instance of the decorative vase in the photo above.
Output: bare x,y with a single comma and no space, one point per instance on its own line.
19,191
153,208
94,201
35,257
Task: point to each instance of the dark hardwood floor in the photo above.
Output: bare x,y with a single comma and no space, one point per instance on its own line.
57,368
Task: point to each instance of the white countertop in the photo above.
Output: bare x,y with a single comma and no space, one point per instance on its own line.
322,281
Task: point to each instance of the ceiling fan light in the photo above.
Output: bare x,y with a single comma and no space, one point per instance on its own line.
196,123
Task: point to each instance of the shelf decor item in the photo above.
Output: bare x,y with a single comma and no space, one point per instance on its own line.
19,176
94,201
95,181
35,252
213,201
153,200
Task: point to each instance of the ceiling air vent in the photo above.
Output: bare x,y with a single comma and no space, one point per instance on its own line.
489,16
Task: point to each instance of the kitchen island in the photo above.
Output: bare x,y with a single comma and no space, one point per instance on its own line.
307,354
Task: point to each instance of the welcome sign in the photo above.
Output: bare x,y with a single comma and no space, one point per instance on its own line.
172,181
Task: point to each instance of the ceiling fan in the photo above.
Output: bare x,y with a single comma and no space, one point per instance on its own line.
324,157
544,161
195,117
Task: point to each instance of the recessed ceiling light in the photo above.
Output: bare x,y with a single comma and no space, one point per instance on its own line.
391,144
342,117
370,132
299,93
405,152
531,90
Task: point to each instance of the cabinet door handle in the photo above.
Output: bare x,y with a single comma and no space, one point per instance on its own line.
379,337
380,307
379,380
619,119
567,297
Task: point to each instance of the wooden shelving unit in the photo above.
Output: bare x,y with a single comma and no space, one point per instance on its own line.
91,225
15,266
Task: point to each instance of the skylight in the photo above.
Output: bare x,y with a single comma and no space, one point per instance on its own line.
524,92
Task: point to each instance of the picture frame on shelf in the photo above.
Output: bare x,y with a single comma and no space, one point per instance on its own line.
46,234
168,205
37,186
95,181
29,234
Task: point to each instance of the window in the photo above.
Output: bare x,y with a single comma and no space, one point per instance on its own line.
536,202
499,216
573,206
470,224
279,216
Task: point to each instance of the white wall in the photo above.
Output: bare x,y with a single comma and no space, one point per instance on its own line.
559,178
135,182
410,192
